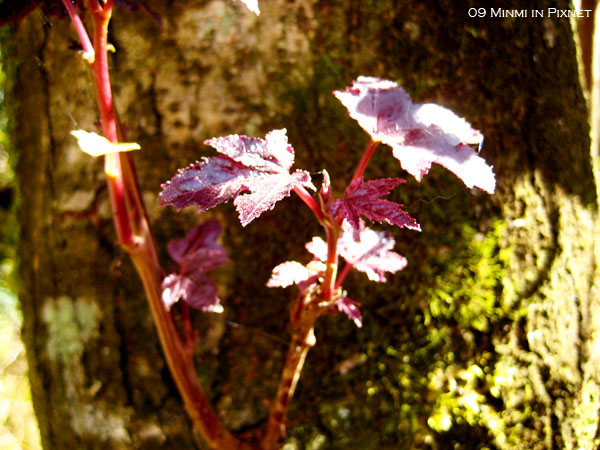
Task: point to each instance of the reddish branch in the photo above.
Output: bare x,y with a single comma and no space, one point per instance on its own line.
302,323
303,319
134,234
364,160
310,202
133,231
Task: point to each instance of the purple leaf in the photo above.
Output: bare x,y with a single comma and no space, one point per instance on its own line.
203,260
198,290
362,197
365,249
350,308
205,184
172,289
292,272
260,166
318,247
419,134
265,191
197,253
271,155
199,245
369,251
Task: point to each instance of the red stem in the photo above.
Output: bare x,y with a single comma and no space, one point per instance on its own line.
345,271
188,331
104,98
88,48
127,207
364,160
310,202
302,323
302,326
328,286
94,6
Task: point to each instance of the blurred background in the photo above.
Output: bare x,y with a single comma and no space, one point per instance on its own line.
18,426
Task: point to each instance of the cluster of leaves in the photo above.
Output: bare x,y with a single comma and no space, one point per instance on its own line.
362,248
255,173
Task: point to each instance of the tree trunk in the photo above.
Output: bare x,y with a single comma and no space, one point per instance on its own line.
489,338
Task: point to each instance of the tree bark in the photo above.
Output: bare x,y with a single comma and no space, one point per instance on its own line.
488,338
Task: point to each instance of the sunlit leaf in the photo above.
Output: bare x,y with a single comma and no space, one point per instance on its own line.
260,166
362,198
95,145
370,251
419,134
367,250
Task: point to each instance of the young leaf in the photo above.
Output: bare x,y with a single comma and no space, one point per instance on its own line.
205,184
197,253
318,247
419,134
95,145
367,250
197,289
350,308
201,238
260,166
370,251
288,273
325,192
292,272
362,197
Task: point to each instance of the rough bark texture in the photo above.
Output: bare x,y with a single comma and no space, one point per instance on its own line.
489,338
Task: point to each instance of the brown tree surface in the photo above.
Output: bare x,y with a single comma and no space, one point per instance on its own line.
489,338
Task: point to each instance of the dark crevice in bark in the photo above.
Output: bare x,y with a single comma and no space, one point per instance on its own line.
553,251
47,110
582,335
124,354
153,99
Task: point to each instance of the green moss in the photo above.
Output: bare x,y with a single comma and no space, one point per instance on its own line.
468,290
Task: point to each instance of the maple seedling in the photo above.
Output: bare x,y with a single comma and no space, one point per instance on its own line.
255,173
